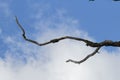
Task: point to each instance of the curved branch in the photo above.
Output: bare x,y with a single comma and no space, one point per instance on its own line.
51,41
84,59
88,43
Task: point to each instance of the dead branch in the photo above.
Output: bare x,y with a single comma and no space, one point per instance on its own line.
88,43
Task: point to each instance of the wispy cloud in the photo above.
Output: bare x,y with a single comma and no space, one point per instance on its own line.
25,61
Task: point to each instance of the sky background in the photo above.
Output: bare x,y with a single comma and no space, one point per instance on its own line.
47,19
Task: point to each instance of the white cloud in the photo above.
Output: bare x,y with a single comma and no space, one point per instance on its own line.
49,62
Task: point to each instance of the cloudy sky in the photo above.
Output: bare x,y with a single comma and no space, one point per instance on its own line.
47,19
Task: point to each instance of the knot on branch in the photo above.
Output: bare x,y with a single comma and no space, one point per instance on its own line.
107,43
54,40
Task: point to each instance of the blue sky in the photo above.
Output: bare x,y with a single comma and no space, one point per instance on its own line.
46,19
100,18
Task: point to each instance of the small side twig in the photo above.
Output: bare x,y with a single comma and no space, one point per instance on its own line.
84,59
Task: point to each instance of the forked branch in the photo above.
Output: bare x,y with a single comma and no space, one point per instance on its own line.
88,43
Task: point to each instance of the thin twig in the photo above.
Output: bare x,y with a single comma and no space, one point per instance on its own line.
84,59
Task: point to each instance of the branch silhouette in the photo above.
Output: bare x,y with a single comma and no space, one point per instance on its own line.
97,45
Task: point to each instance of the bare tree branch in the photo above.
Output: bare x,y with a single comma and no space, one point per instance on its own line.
88,43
